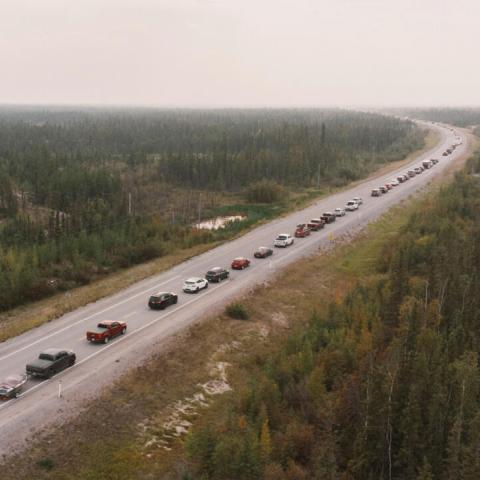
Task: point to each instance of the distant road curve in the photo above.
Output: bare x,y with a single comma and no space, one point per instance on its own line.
40,406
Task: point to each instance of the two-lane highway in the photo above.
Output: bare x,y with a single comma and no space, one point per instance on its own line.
39,406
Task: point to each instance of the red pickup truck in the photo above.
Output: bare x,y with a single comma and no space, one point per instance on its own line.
106,330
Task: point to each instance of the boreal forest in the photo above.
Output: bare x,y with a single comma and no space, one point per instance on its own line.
84,192
384,384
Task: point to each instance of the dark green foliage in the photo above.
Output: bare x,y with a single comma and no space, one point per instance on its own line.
46,464
216,149
237,311
384,386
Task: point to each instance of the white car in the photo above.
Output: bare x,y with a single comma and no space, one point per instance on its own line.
351,206
358,200
194,285
394,182
339,212
283,240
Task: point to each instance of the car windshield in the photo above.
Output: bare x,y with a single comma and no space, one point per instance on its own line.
282,237
189,282
102,325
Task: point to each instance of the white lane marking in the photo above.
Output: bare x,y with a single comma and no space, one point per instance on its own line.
129,314
102,349
86,318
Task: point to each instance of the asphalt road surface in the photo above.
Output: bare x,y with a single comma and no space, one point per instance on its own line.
97,364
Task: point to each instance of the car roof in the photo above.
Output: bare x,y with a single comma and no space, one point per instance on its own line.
53,351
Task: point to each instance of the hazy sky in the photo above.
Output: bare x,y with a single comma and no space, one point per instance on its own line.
240,52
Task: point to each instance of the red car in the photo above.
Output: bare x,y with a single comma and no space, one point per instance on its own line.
106,330
240,263
302,231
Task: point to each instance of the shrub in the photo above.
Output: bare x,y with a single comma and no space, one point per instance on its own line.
264,191
46,463
237,311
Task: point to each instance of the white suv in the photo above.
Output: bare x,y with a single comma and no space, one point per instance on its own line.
351,206
358,200
283,240
194,285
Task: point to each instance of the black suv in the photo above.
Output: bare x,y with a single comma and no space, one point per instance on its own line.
217,274
263,252
162,300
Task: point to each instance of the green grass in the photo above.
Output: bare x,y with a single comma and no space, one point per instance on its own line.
367,254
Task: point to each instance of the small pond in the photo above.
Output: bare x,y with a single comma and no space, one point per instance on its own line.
218,222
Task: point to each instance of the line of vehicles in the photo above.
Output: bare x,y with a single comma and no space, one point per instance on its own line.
426,164
54,360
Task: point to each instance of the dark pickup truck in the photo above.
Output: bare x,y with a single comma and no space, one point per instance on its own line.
328,217
50,362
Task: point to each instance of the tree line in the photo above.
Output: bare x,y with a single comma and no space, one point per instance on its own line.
462,117
385,384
